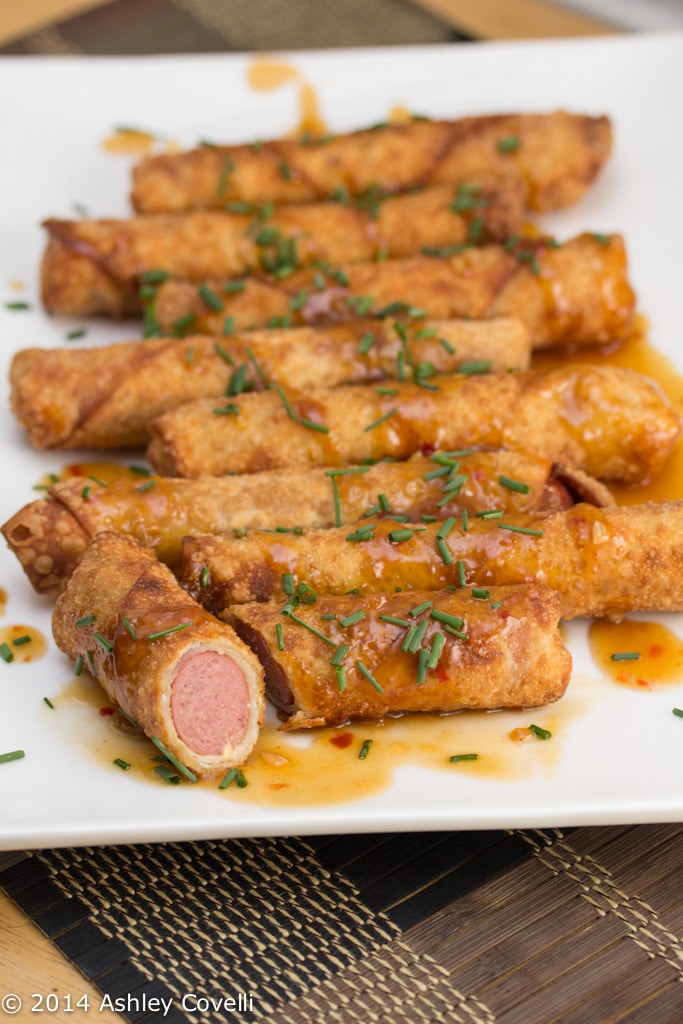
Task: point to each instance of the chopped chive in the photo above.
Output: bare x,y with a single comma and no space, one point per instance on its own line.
387,391
363,533
229,409
298,301
85,620
457,758
339,654
190,775
602,239
16,306
351,620
129,628
312,629
418,636
328,618
474,366
446,528
346,470
291,604
227,778
496,604
210,298
394,620
21,640
80,332
146,486
435,650
340,673
678,712
419,608
434,474
78,665
179,326
398,536
46,700
494,513
102,483
288,583
381,419
539,733
447,619
167,775
91,663
189,355
456,632
226,170
369,676
230,287
228,326
286,402
103,642
513,485
312,425
465,519
120,763
444,551
306,593
508,144
520,529
280,638
462,573
422,659
223,354
481,594
6,653
364,750
12,755
625,656
336,501
366,342
166,632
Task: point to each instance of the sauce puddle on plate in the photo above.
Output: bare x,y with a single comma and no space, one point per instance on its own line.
637,653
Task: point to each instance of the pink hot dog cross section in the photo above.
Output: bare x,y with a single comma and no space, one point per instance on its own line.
185,678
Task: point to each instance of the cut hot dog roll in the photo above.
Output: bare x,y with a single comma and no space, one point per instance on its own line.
556,156
601,561
184,678
50,535
611,422
576,293
98,266
340,659
104,397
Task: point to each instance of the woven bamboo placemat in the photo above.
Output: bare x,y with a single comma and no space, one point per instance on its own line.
477,927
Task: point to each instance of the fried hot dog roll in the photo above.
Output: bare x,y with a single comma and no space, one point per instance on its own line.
98,266
50,535
104,397
186,679
557,156
336,660
577,293
601,561
611,422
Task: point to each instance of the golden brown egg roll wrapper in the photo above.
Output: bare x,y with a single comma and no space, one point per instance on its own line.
557,156
601,561
104,397
184,677
609,421
97,266
577,293
50,535
503,652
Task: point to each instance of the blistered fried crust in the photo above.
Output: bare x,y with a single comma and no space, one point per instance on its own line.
50,535
127,598
556,156
601,561
611,422
577,293
98,266
508,655
104,397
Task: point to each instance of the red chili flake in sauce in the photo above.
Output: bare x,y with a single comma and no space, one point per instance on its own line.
106,712
427,449
344,739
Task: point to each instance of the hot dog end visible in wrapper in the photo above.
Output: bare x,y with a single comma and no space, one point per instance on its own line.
557,156
184,677
437,651
50,534
600,561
